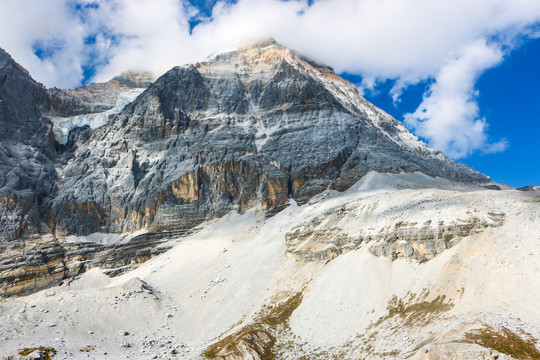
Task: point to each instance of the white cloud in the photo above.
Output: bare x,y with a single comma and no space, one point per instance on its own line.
35,22
449,115
403,40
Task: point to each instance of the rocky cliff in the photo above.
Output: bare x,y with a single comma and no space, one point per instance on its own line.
27,152
30,155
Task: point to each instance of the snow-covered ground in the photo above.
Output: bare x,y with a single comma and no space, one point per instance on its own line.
63,125
217,280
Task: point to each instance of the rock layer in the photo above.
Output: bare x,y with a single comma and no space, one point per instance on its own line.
324,239
26,267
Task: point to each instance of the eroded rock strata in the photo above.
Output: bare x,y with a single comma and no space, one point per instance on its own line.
28,266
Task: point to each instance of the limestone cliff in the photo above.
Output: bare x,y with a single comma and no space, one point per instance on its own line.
27,152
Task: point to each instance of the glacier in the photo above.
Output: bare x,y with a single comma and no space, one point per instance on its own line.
63,125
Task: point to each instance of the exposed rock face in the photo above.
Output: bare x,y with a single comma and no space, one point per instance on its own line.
254,125
28,180
27,152
27,144
413,226
329,235
34,265
92,105
96,97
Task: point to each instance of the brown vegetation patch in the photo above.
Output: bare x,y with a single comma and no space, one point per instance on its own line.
257,338
415,310
46,352
506,342
251,339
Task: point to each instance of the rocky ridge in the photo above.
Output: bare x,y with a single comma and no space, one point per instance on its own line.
393,231
97,97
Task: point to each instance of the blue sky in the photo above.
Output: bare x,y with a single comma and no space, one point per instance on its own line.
509,97
461,75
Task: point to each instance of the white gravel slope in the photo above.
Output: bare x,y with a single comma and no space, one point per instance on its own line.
216,280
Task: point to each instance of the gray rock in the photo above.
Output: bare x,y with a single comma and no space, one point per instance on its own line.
492,187
96,97
323,237
257,125
27,153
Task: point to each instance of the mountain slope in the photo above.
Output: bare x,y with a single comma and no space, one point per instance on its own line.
240,289
258,124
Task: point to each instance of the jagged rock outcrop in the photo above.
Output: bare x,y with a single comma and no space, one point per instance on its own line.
27,152
416,226
327,236
92,105
257,125
26,267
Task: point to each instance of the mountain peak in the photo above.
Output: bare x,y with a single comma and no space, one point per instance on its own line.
134,79
261,43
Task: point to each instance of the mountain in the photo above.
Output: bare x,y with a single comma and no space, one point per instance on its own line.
250,206
258,125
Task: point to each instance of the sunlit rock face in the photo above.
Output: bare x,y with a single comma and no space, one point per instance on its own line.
257,125
415,226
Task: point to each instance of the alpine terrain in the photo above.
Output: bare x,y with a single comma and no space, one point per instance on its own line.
250,206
